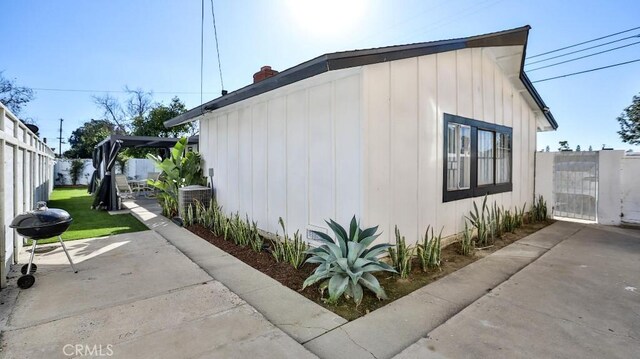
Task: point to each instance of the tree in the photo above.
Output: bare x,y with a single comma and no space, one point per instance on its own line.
590,148
153,125
138,104
112,110
578,148
629,122
564,146
86,137
547,149
77,167
14,96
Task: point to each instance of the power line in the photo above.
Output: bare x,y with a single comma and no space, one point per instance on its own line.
581,50
585,71
582,43
116,91
215,34
582,57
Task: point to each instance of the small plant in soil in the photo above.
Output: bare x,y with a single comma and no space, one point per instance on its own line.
430,250
495,222
479,220
346,264
509,222
401,255
467,245
520,216
289,250
538,212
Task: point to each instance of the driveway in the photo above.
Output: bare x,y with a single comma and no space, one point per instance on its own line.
135,296
579,300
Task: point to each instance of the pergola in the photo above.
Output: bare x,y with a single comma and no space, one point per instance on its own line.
104,159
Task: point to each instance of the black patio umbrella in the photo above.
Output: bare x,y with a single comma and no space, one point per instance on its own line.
107,196
97,161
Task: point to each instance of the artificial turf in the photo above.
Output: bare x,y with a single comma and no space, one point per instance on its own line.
87,222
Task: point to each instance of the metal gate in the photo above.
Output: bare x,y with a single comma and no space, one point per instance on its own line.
575,185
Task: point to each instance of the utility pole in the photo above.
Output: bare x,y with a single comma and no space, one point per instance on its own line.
60,140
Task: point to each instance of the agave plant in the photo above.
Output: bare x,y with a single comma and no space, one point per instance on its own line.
347,264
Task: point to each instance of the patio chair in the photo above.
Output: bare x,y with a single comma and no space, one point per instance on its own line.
146,188
122,187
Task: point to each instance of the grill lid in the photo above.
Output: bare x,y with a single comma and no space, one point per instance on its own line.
41,217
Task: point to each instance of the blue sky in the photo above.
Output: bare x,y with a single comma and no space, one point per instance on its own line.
155,45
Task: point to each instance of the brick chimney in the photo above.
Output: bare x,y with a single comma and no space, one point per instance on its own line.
265,72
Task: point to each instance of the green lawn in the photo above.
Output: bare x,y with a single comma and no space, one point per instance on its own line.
87,222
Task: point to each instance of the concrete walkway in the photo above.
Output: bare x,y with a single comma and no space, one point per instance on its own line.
569,290
579,300
135,296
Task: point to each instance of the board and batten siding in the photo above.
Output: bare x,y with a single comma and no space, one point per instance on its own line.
294,152
403,106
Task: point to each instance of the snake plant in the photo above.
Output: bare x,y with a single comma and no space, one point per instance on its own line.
346,264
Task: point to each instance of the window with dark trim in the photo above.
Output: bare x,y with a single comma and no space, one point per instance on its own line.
477,158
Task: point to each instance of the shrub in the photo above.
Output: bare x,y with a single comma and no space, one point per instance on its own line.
467,245
429,251
180,169
346,264
76,169
401,255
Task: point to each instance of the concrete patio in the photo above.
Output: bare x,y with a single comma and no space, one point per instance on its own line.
138,296
580,300
569,290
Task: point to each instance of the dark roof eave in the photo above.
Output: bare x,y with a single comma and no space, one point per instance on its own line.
538,99
355,58
146,141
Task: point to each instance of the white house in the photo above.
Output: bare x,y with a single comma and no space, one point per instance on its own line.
404,135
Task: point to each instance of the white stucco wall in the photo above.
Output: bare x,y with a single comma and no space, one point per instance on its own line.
293,152
544,177
630,189
26,177
609,187
404,102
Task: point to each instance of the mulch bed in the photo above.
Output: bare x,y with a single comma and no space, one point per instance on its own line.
392,284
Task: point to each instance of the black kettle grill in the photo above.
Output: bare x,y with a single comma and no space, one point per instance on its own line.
40,224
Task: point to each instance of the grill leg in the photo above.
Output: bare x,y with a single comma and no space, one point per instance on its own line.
33,251
67,253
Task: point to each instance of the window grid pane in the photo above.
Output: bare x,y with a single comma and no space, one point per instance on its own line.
458,157
486,157
503,154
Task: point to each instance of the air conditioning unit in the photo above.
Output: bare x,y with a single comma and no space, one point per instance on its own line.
190,195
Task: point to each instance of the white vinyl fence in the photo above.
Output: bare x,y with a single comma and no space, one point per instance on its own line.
26,178
135,169
602,184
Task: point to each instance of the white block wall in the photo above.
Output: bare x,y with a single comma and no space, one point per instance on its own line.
26,177
618,185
